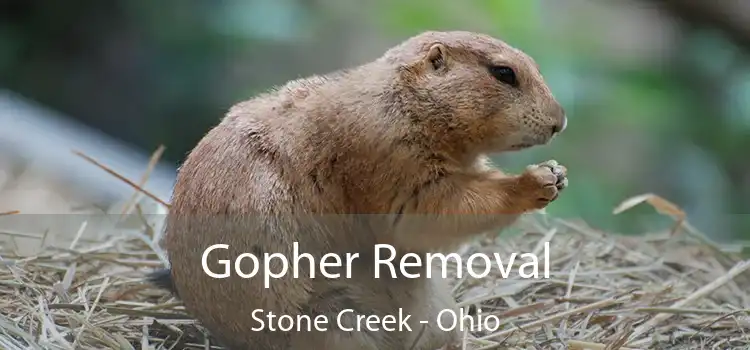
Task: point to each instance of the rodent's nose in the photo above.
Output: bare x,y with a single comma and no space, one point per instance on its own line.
562,121
560,127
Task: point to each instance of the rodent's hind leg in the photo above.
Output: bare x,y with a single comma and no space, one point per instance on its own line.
429,299
335,339
346,307
162,278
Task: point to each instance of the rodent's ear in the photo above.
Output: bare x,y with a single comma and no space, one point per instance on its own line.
436,57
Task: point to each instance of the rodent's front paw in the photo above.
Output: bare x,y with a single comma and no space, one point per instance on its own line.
542,183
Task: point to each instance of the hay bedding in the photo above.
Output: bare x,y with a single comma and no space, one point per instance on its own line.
662,293
672,290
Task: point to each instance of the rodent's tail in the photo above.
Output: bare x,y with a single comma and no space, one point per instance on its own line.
162,278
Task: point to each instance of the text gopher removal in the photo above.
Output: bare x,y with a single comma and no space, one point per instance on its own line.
477,265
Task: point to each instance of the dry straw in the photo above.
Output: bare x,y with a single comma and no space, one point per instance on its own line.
670,290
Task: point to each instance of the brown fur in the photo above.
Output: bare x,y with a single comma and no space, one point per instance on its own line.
393,151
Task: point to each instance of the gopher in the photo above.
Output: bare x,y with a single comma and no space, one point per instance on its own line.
394,151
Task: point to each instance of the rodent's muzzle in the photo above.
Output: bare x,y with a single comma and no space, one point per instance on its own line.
541,133
559,123
544,137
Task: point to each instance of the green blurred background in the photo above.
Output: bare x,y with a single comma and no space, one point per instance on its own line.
657,92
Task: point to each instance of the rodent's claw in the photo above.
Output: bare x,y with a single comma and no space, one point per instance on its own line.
559,171
550,163
544,182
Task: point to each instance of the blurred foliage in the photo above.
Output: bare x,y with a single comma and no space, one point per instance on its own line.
164,72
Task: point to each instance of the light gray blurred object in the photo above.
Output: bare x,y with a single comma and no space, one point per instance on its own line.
47,139
63,198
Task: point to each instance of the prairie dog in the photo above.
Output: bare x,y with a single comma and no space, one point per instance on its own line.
393,151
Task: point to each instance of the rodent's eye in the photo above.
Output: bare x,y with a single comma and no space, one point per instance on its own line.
504,74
